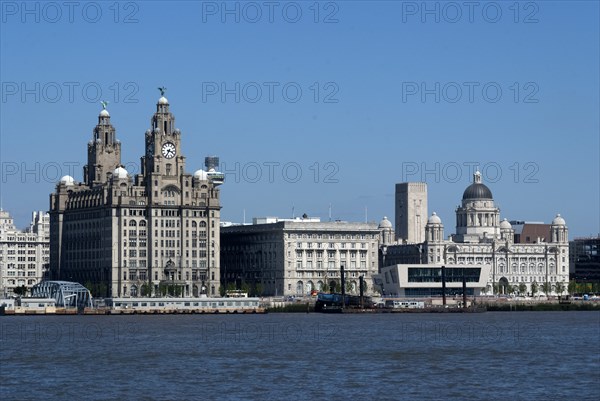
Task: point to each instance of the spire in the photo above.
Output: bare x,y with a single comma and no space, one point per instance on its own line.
477,177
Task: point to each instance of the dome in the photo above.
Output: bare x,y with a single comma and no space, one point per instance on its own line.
385,223
201,175
163,100
120,172
434,219
558,221
477,190
177,131
505,225
67,180
104,113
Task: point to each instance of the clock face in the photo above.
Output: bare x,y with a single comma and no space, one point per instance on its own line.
168,150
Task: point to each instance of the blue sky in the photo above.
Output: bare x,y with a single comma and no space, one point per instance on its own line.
389,92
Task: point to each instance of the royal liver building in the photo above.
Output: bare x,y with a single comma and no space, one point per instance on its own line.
154,233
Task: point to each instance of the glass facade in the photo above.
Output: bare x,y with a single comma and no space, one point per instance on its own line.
434,274
436,292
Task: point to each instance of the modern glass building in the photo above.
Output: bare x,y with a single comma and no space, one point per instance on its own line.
426,280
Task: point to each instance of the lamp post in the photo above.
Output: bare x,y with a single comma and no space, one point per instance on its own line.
444,285
361,280
464,288
343,278
420,255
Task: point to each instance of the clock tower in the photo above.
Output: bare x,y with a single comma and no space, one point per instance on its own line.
150,234
163,161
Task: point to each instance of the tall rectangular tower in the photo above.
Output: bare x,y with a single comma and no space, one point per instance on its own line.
411,211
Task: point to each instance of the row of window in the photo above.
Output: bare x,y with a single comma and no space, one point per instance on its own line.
21,266
12,273
335,236
331,255
22,242
21,245
24,258
164,233
141,275
331,245
29,282
540,269
538,279
167,213
322,274
331,265
177,213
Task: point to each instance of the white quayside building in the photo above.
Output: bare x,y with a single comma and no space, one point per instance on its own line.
297,256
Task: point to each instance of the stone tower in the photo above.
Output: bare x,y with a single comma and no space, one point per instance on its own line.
104,151
411,211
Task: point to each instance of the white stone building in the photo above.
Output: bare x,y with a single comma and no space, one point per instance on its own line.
482,239
24,255
297,256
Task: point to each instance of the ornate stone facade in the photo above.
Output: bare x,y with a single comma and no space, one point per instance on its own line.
295,257
482,239
155,232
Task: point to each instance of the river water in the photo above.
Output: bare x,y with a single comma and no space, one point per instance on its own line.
483,356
